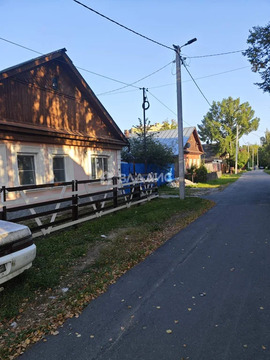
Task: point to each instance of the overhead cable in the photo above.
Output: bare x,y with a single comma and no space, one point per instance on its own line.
210,55
24,47
123,26
80,68
162,103
196,84
135,82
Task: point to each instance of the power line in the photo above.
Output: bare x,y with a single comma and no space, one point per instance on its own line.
123,26
202,77
24,47
220,54
80,68
162,103
196,84
94,73
135,82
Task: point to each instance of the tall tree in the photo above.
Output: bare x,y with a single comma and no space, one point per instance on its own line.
258,54
166,125
264,150
219,124
156,153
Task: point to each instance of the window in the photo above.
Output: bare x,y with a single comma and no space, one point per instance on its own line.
99,167
59,168
26,167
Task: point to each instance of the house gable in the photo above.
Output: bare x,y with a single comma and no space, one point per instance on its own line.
195,143
47,100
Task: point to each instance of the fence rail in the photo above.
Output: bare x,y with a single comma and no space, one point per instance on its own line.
50,207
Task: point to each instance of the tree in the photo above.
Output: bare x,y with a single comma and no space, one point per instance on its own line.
166,125
264,150
220,123
258,54
156,153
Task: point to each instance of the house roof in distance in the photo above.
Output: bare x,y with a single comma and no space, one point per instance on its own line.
170,137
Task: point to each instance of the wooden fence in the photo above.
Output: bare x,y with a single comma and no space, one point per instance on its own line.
55,206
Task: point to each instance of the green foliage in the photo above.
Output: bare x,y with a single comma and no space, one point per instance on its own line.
201,174
219,124
166,125
156,153
258,54
264,151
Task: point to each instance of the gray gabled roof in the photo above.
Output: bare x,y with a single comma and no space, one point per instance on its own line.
170,137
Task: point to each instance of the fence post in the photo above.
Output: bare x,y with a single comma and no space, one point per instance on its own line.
74,200
115,190
4,198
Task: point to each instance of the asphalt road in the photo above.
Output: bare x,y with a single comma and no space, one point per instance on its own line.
204,295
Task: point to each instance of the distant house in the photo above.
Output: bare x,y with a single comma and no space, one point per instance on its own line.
212,161
192,145
52,126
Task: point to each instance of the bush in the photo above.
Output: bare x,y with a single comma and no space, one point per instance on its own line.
201,174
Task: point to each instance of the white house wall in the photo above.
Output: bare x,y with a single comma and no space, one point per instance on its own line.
77,162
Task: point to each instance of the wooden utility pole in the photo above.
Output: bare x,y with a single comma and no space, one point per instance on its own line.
236,151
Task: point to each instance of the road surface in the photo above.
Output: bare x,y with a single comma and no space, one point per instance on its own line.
204,295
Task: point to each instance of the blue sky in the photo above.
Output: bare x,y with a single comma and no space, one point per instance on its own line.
97,45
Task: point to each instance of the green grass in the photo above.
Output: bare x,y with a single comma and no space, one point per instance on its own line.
267,171
131,235
221,182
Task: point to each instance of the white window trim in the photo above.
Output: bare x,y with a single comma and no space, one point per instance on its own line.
68,163
35,166
39,160
63,156
99,156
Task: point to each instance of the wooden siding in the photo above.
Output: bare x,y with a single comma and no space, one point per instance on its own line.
28,100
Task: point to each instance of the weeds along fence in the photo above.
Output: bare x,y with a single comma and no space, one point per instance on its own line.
55,206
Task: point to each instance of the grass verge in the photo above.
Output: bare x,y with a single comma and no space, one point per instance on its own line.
219,183
75,266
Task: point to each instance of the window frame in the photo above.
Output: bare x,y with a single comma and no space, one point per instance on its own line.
95,167
60,156
34,169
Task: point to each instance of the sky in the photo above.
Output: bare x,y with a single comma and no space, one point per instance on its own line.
110,57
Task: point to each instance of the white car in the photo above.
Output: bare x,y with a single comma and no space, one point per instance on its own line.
17,250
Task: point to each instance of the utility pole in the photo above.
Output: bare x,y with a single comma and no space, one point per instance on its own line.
252,157
258,158
236,150
181,162
248,155
145,106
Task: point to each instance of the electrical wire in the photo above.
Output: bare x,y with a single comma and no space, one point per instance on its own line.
220,54
135,82
196,84
162,103
24,47
123,26
94,73
202,77
80,68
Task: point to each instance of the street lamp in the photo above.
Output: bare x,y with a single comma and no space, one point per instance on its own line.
181,163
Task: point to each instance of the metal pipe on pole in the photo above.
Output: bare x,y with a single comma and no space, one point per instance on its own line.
181,162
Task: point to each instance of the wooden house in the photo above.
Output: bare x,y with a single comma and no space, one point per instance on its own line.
192,145
52,126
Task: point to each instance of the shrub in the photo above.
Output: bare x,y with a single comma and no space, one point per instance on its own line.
201,174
